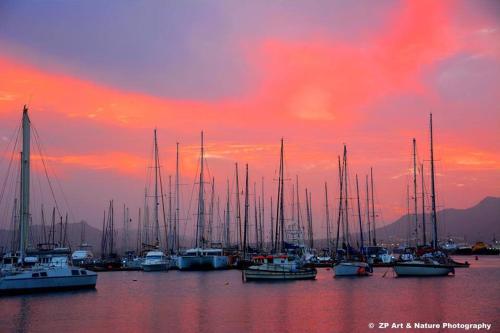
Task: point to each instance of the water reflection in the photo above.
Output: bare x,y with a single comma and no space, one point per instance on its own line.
219,302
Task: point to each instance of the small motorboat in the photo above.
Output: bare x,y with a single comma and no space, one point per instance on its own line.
155,261
279,268
352,268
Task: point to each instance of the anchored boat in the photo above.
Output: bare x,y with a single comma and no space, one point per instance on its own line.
276,268
38,271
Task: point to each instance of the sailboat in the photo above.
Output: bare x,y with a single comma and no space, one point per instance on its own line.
281,266
351,264
203,256
54,272
434,263
155,259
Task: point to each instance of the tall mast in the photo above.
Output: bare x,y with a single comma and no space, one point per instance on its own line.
138,248
373,210
177,200
261,227
111,228
245,230
272,224
238,210
145,225
282,206
311,230
25,185
327,216
298,202
171,221
201,202
346,201
125,228
339,217
359,215
256,217
415,189
433,191
308,219
262,224
368,212
211,212
227,238
424,234
155,212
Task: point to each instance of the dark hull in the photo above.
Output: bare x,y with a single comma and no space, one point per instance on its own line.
42,290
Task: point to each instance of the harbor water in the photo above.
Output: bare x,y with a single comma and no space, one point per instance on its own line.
219,301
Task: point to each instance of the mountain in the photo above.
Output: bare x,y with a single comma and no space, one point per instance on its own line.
478,223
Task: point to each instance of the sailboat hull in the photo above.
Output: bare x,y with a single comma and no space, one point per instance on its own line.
56,279
202,262
422,269
352,269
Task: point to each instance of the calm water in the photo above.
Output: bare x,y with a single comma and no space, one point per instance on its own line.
219,302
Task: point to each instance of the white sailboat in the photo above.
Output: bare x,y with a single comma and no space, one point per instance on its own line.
156,260
202,257
45,273
430,264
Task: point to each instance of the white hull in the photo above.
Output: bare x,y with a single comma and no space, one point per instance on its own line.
207,262
422,269
65,278
351,268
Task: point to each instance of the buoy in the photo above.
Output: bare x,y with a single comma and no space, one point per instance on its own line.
134,280
361,271
328,269
477,258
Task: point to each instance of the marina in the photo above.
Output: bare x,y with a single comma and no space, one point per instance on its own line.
249,166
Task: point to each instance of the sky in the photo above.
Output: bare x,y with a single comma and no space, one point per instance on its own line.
100,76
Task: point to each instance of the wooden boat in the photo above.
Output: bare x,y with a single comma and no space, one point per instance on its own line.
279,268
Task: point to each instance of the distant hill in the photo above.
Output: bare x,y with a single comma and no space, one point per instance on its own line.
480,222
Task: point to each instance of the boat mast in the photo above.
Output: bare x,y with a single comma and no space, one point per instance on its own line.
282,201
298,203
327,216
171,221
25,186
256,216
177,201
346,200
415,189
433,192
368,212
238,209
262,224
201,202
373,210
308,216
280,221
272,224
311,231
155,212
211,212
245,227
227,234
359,215
339,216
423,205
